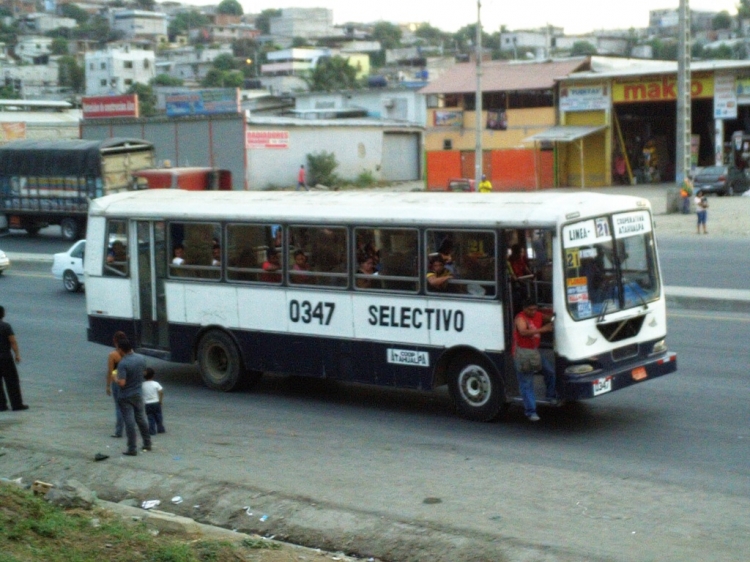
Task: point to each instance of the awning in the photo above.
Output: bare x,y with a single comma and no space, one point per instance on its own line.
565,133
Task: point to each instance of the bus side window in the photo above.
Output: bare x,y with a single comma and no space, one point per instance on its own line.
469,257
116,260
394,253
192,250
248,248
326,250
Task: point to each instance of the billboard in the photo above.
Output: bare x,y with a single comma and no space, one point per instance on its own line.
203,102
266,139
100,107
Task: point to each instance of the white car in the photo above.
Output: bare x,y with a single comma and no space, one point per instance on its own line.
4,262
68,266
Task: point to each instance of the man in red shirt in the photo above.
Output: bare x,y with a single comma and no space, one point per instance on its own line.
301,178
529,326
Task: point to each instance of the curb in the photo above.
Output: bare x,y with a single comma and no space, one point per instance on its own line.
27,257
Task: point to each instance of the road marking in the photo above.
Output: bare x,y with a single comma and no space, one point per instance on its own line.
745,319
44,275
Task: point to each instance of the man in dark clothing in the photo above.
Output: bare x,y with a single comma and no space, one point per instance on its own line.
130,379
8,372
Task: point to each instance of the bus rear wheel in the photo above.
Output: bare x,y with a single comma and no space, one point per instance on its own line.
476,388
220,362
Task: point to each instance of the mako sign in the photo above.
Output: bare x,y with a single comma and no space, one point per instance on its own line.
659,88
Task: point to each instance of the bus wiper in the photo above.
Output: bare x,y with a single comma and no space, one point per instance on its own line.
600,318
637,291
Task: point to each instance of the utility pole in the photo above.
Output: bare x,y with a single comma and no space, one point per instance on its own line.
684,102
478,105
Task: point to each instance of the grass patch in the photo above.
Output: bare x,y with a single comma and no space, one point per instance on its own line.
31,530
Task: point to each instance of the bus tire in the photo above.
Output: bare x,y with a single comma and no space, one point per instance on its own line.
220,361
69,229
476,388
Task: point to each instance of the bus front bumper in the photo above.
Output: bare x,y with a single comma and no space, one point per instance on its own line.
604,382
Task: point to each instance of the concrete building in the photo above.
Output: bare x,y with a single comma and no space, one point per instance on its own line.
42,23
115,70
392,104
38,120
293,62
188,63
308,23
225,33
37,81
139,23
33,49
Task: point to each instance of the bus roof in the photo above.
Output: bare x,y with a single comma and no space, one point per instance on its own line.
535,209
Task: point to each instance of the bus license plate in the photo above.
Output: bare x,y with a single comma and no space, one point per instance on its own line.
602,385
639,373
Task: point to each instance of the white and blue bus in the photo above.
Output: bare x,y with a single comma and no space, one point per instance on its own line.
250,282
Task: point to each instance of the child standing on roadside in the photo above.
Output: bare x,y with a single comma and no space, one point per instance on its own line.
153,396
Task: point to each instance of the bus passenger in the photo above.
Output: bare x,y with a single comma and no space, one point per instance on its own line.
117,253
366,267
271,267
439,277
178,254
216,255
300,265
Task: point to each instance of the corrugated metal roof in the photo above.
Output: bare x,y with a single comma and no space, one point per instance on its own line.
504,76
564,133
276,121
614,67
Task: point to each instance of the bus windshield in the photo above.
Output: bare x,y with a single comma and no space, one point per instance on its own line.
610,264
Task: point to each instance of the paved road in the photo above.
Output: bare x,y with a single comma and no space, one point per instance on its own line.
657,472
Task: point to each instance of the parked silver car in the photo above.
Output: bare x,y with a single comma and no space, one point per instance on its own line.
68,266
4,262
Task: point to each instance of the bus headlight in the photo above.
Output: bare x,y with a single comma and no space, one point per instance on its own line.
578,370
660,346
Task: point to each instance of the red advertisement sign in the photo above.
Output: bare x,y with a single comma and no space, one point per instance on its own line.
266,139
99,107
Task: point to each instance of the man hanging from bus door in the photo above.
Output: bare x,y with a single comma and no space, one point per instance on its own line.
529,325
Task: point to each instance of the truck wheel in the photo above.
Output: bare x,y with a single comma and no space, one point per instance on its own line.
69,229
70,281
476,388
219,360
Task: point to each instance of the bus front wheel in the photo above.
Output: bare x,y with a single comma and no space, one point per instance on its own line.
220,362
476,388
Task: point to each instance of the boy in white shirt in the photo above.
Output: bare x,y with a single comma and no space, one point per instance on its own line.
153,395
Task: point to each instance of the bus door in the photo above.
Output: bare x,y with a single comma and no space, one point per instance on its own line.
152,270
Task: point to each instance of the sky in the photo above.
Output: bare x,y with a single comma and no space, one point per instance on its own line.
575,16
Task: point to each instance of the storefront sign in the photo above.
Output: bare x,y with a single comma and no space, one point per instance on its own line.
12,131
100,107
661,88
266,139
203,102
586,97
725,97
742,89
443,118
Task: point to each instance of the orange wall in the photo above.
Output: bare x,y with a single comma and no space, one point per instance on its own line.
512,170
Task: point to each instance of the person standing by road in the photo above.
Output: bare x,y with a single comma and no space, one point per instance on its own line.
8,371
113,389
701,205
130,371
529,326
485,186
301,181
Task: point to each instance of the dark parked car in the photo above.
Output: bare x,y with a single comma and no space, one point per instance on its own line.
721,180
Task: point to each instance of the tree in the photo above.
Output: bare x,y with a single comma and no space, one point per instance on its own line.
225,62
388,34
262,21
722,52
70,74
76,12
582,49
147,5
166,80
184,21
59,46
146,98
467,36
230,7
743,9
432,35
216,78
332,73
722,20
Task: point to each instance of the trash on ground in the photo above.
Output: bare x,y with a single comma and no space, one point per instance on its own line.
177,500
41,488
100,457
264,518
149,504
